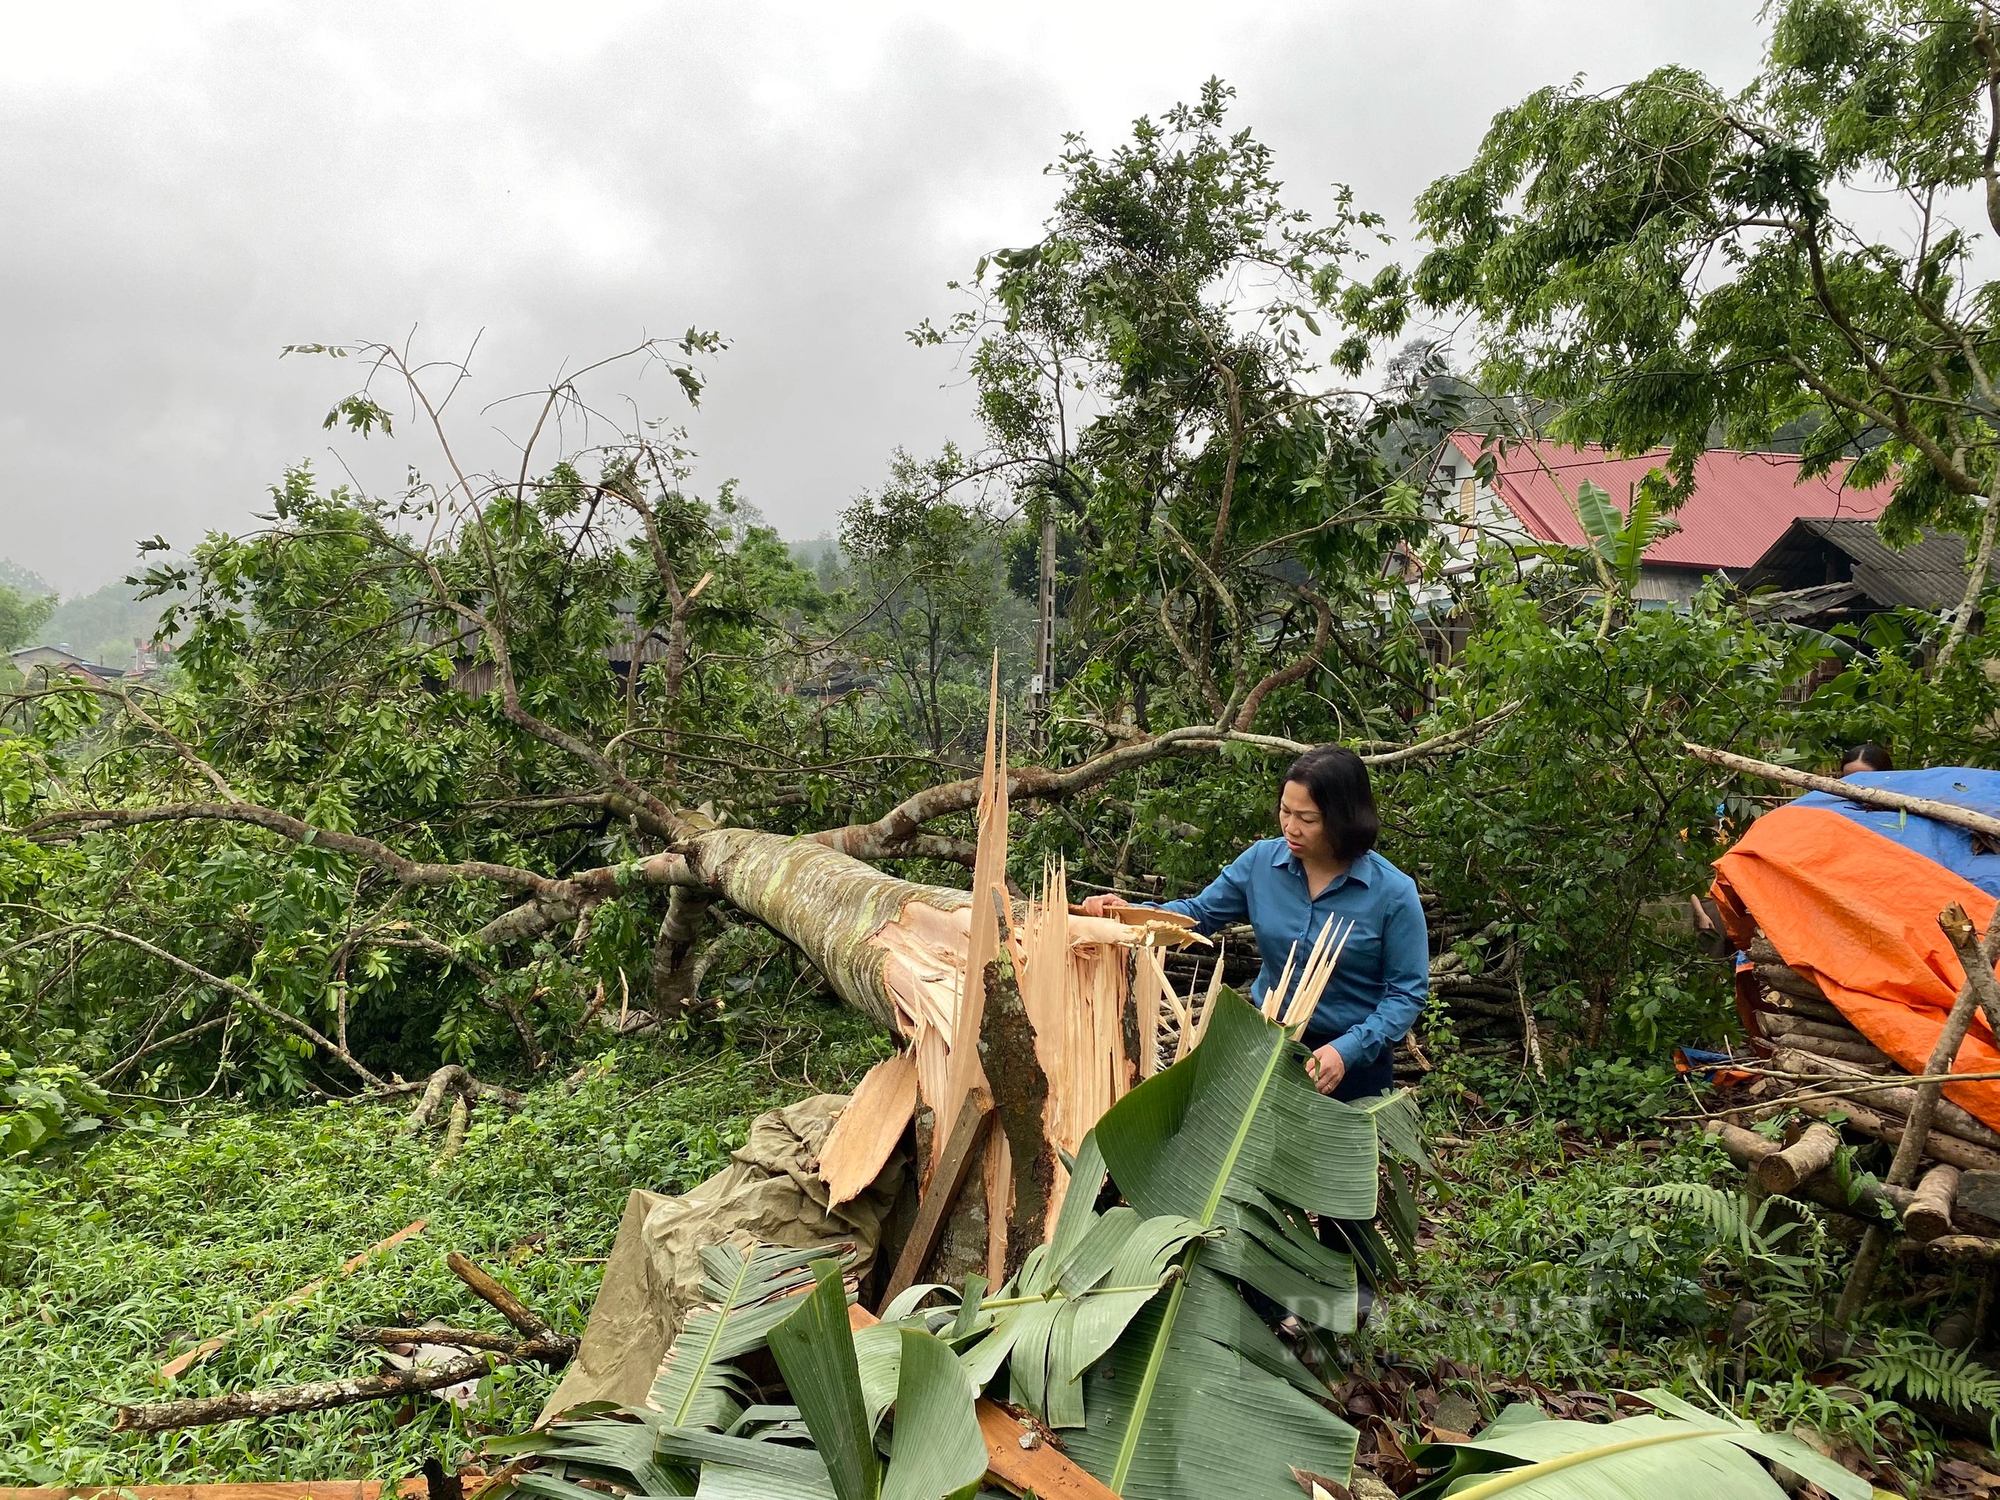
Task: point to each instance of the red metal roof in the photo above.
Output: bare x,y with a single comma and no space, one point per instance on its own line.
1742,502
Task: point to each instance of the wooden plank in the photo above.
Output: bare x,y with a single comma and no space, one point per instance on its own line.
182,1363
967,1132
1035,1469
866,1133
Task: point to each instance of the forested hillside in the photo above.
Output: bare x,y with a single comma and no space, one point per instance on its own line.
541,770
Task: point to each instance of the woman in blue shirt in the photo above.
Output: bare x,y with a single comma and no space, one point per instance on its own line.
1322,868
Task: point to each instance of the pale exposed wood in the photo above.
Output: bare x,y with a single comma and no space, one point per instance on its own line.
181,1363
989,873
1784,1170
999,1173
1929,1215
865,1136
954,1163
1149,988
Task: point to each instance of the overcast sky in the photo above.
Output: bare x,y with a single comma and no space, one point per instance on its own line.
190,187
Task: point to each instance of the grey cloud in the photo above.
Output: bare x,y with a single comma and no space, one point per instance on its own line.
184,201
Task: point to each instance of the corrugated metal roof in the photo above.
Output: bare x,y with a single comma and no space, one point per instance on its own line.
1930,573
1742,502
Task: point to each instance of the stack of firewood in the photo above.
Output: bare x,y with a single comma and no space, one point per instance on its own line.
1810,1036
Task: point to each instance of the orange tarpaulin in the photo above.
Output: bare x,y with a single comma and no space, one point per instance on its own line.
1858,912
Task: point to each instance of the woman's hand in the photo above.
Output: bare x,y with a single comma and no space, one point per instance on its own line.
1326,1068
1100,906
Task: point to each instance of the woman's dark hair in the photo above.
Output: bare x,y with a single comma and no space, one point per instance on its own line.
1338,784
1875,757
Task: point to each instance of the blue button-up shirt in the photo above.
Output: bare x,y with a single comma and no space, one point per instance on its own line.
1378,988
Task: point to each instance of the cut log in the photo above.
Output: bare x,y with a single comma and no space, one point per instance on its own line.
1888,1095
1789,1023
1888,1127
1784,1170
1929,1215
865,1136
1963,1247
1865,1053
1791,983
1747,1148
1979,1193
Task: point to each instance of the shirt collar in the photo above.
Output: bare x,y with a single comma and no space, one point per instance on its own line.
1356,871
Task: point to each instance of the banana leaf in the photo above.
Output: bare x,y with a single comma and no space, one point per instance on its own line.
1190,1401
814,1347
1685,1454
746,1297
937,1450
1230,1411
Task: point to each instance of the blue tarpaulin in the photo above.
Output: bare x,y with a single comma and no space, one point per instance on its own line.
1954,848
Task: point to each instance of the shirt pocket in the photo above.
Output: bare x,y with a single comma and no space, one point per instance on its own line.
1361,955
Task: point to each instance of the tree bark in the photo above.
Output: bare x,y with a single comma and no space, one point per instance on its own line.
673,965
320,1395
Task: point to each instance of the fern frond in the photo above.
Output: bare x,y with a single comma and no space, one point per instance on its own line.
1925,1371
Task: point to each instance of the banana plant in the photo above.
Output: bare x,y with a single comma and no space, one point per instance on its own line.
1677,1452
1618,543
1198,1397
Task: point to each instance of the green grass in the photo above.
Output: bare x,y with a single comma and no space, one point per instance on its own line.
172,1230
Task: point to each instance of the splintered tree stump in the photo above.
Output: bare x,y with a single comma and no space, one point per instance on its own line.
1784,1170
1929,1215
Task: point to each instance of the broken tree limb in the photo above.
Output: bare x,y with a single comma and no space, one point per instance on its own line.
531,1324
953,1165
1784,1170
320,1395
178,1365
453,1338
1867,796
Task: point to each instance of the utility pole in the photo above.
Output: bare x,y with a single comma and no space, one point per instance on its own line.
1041,691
